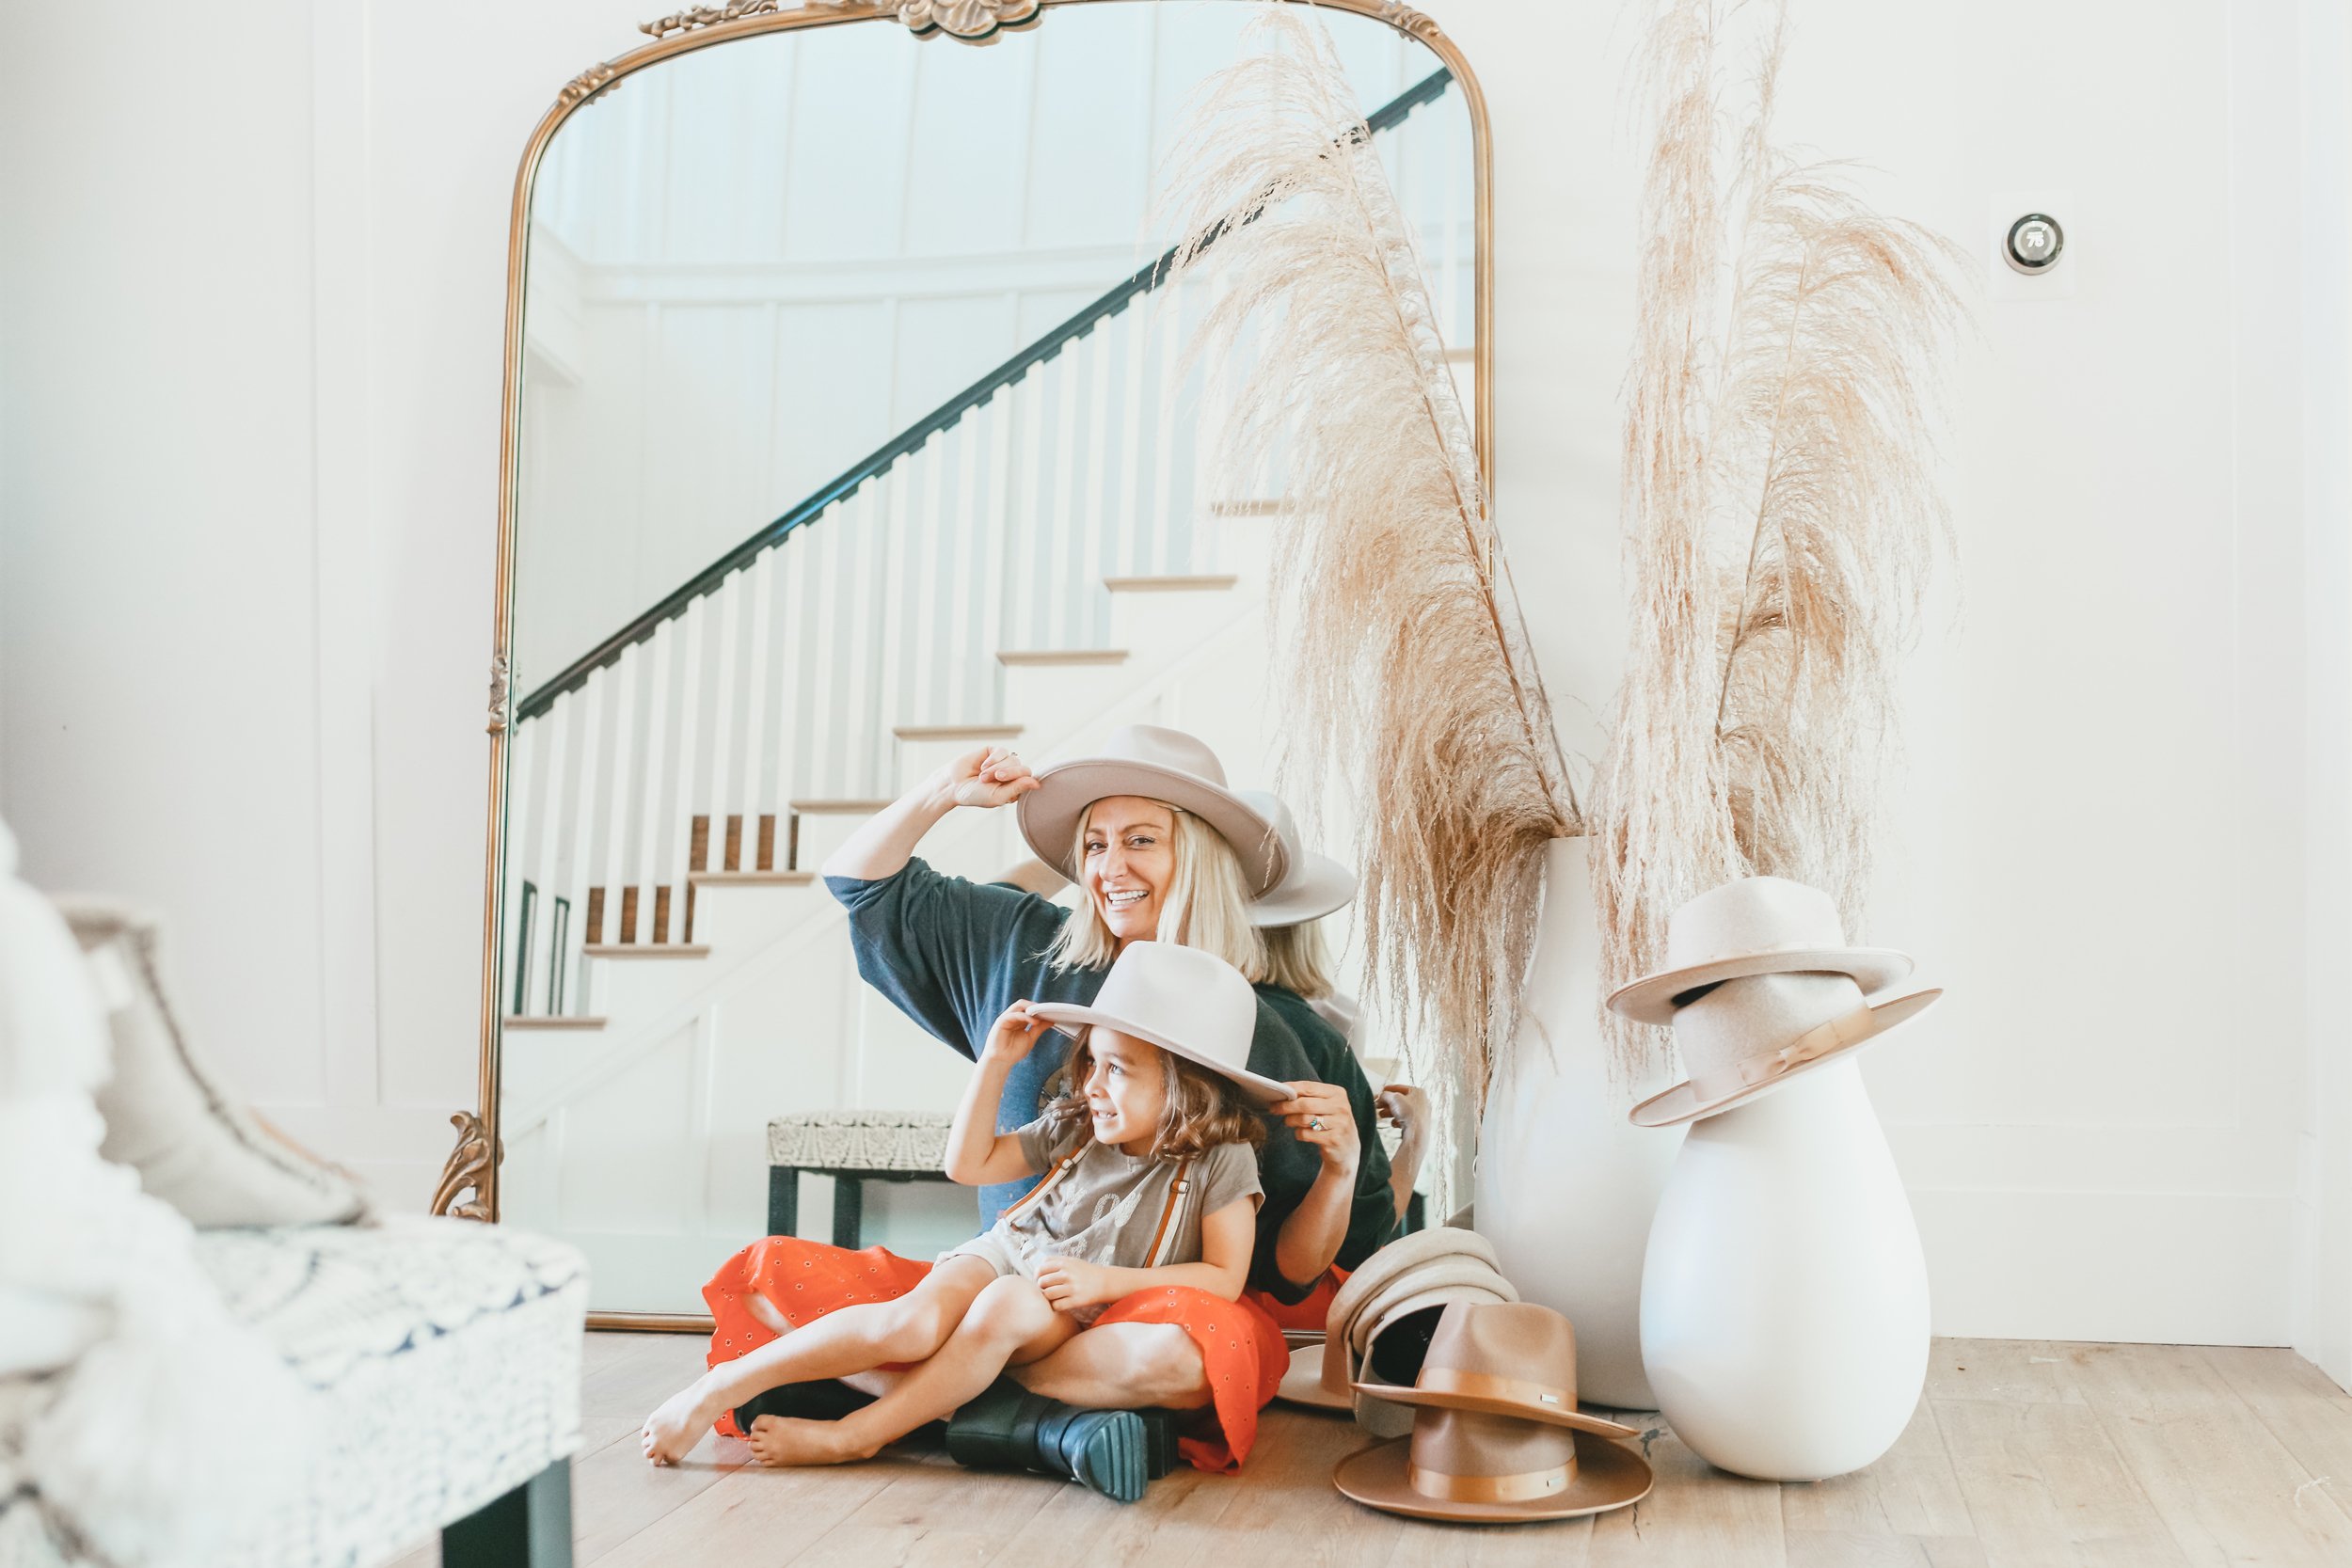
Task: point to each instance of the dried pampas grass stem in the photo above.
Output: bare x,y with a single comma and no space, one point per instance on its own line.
1398,649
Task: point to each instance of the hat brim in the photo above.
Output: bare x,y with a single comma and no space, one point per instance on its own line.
1303,1383
1481,1405
1651,998
1682,1103
1317,885
1050,814
1064,1014
1607,1477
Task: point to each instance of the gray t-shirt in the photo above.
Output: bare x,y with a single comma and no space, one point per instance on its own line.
1106,1207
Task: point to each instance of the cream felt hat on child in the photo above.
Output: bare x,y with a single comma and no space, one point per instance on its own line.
1187,1002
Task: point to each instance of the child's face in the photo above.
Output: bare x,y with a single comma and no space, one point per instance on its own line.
1129,859
1127,1088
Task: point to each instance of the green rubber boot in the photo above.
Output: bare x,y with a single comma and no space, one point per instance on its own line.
1008,1428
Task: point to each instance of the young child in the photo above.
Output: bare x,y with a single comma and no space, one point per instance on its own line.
1150,1178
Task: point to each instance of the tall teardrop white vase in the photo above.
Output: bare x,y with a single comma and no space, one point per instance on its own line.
1566,1186
1784,1298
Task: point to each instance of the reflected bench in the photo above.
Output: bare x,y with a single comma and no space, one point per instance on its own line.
853,1147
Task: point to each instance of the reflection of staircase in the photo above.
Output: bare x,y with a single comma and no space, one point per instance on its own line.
1027,566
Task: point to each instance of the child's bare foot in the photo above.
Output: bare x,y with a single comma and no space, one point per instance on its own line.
672,1432
780,1440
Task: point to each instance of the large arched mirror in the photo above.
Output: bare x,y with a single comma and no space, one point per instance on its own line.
849,428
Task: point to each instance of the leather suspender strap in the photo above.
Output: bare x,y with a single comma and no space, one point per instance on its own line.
1176,1191
1029,1198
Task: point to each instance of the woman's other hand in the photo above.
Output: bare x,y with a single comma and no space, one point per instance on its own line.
993,776
1406,1109
1319,1114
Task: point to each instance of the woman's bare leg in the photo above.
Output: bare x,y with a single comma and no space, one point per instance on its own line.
1123,1367
1011,1322
851,1340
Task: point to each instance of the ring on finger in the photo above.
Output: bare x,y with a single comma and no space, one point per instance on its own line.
1315,1124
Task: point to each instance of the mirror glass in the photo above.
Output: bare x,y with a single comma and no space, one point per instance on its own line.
855,433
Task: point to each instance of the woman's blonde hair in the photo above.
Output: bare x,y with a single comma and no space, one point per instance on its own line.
1205,904
1298,959
1202,1108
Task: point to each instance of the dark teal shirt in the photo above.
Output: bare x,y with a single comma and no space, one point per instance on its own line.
953,955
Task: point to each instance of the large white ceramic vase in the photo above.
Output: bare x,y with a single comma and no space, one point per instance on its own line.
1565,1185
1785,1295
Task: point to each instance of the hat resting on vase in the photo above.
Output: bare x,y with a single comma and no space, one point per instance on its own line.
1760,986
1155,763
1497,1436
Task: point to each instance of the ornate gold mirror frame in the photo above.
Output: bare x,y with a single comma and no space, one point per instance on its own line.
469,1182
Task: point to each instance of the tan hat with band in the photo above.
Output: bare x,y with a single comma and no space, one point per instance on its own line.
1754,1034
1155,763
1496,1437
1753,926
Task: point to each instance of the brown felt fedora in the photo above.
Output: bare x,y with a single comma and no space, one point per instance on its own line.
1496,1437
1753,926
1157,763
1754,1034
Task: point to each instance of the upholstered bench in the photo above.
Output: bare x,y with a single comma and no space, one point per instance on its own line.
853,1147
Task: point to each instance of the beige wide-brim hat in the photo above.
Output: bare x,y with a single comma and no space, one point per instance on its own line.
1463,1467
1755,925
1158,765
1187,1002
1749,1036
1315,885
1501,1358
1302,1381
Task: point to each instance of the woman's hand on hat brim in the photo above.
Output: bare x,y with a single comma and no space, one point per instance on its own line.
1319,1114
991,776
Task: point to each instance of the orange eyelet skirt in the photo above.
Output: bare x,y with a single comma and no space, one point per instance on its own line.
1240,1345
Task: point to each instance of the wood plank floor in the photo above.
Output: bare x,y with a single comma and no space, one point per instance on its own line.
2022,1453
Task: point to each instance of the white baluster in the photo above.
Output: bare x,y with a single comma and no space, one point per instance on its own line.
792,680
825,697
725,672
890,616
647,771
988,509
685,766
1169,351
526,768
580,826
924,480
1095,627
1066,599
970,620
629,673
753,582
1136,337
861,594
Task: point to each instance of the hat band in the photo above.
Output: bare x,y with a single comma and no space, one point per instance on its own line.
1748,1071
1522,1488
1486,1385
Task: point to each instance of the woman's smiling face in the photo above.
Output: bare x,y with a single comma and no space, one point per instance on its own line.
1128,858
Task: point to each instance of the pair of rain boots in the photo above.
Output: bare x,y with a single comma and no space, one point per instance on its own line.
1115,1452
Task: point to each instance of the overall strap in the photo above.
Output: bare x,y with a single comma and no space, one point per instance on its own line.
1028,1199
1176,1191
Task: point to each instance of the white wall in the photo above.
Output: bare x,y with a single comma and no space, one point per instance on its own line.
252,288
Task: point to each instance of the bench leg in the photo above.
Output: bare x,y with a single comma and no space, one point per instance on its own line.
784,1200
849,1210
529,1528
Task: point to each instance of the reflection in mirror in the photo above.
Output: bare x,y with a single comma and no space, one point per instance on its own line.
855,433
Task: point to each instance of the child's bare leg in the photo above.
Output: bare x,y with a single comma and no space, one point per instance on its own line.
1010,1323
853,1339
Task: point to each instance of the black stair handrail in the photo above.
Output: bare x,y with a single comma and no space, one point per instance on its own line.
875,463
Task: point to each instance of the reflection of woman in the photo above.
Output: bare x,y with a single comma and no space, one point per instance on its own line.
1161,850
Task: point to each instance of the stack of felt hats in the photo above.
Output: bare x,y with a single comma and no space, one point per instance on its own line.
1496,1434
1760,986
1382,1320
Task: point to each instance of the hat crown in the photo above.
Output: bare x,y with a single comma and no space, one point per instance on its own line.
1755,915
1270,806
1158,747
1455,1446
1757,1014
1523,1343
1185,995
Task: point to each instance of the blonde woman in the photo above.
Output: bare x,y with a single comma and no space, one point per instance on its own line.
1161,850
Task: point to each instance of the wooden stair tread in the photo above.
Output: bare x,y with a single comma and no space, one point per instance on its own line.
647,950
541,1021
1073,656
750,878
957,732
1208,583
839,808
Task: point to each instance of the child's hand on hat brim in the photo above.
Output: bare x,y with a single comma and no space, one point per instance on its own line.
1014,1034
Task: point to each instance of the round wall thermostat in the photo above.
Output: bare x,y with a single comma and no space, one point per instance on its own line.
2034,243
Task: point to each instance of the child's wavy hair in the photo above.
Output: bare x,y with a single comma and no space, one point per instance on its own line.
1203,1110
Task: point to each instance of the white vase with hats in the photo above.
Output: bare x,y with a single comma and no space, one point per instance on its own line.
1784,1292
1566,1186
